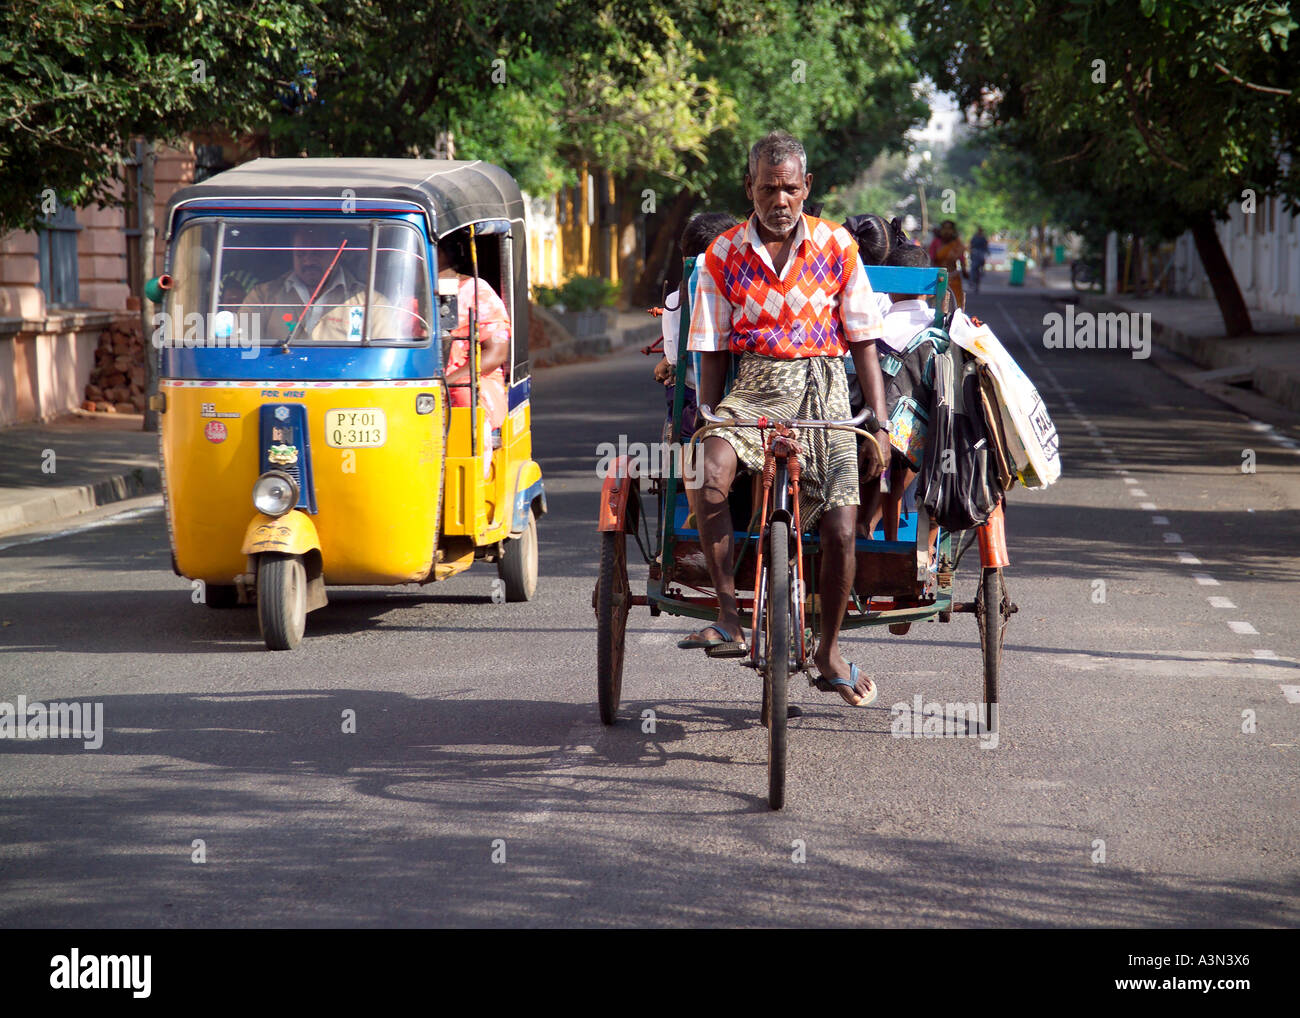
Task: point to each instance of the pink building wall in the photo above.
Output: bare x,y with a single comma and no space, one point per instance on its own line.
46,354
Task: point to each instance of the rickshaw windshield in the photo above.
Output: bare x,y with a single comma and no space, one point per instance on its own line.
310,282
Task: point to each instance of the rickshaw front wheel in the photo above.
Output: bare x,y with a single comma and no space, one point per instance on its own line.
281,600
991,616
518,565
776,676
613,601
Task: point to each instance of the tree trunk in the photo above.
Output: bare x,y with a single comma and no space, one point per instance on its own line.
629,237
146,264
649,285
1236,316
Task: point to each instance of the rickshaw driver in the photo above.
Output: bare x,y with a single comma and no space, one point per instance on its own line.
337,314
779,289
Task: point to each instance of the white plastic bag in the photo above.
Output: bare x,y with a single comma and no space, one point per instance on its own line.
1031,436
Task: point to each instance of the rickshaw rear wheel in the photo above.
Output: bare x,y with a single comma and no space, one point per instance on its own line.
518,565
281,600
613,601
992,627
776,677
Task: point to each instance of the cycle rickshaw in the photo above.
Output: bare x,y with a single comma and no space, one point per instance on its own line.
907,580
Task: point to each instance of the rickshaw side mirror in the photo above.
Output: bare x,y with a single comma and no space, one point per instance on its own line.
447,312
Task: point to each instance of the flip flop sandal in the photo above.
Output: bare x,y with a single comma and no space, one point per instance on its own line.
832,685
725,647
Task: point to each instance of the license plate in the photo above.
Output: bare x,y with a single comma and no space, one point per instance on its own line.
355,429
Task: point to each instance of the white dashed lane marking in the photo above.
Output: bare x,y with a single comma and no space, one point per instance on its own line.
1241,627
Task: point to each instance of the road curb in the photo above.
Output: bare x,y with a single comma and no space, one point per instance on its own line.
73,500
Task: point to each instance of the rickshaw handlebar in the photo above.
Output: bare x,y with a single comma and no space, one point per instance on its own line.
867,415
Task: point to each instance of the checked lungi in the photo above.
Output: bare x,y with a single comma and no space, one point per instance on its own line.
810,388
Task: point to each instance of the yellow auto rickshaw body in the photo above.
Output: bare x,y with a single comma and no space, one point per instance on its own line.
302,342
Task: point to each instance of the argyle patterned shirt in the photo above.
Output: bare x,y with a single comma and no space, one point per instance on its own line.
820,300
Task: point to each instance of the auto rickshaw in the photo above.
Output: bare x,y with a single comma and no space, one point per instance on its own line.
308,432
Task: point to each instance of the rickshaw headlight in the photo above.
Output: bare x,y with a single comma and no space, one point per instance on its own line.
275,493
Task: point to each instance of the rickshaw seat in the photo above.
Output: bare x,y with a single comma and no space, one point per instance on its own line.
905,544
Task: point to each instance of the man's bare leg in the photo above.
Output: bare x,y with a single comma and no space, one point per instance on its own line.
869,511
716,465
834,583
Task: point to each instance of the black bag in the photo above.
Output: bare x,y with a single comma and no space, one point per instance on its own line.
959,482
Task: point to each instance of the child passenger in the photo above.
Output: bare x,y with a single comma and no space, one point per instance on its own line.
699,233
908,315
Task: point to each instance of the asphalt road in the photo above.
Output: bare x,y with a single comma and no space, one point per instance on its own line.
477,734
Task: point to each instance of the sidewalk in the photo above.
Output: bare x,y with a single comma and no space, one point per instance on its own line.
627,330
71,465
1258,374
1267,364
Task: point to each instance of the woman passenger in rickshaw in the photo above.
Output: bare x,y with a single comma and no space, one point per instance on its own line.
493,332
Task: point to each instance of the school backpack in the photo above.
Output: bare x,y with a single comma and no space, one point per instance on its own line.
959,484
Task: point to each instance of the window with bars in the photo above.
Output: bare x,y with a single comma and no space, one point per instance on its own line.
131,222
57,254
209,160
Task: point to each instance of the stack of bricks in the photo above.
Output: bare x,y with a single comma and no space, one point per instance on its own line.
117,382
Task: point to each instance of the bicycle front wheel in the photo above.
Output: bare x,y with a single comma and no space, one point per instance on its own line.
776,677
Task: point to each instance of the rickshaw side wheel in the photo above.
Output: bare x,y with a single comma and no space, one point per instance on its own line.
281,600
518,565
776,678
613,602
992,627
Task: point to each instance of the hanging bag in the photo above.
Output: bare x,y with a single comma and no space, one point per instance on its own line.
959,481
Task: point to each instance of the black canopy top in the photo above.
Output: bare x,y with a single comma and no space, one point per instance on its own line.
452,193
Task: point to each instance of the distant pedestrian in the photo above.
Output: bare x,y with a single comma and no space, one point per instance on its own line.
936,242
951,255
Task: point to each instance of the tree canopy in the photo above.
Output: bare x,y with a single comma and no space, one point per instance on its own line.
667,92
1163,112
80,78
